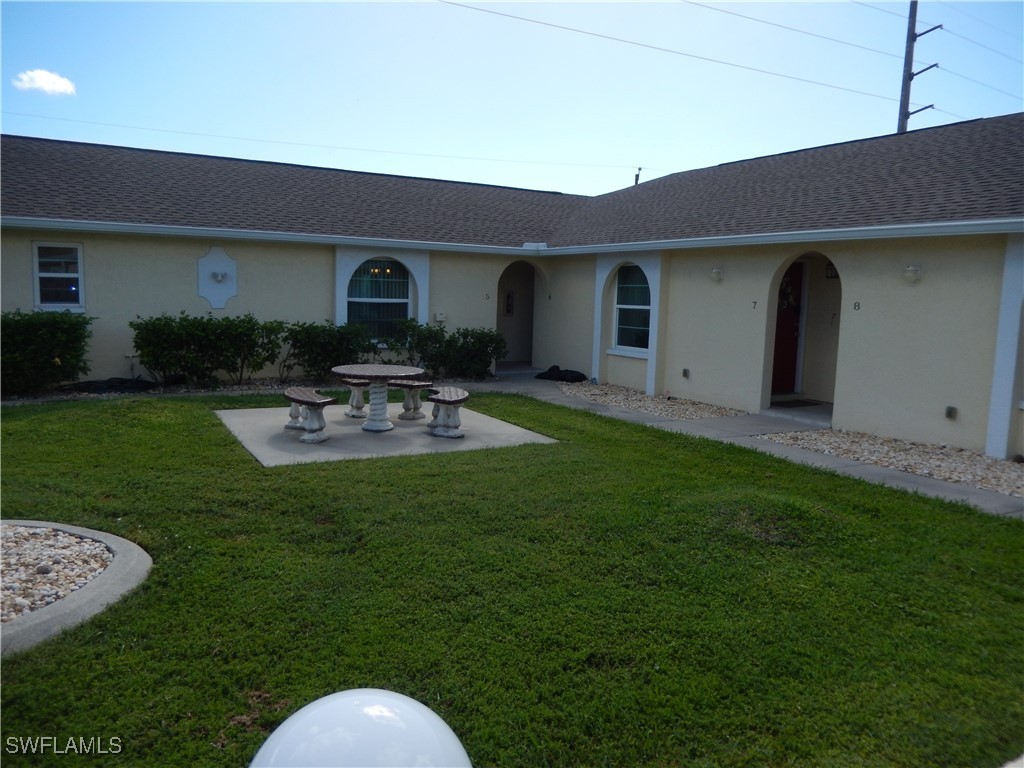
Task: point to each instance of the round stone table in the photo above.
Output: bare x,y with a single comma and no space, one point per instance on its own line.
378,375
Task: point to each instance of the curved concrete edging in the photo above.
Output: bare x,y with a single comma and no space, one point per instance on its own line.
128,568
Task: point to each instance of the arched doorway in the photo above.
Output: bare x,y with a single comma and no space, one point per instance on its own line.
515,313
807,314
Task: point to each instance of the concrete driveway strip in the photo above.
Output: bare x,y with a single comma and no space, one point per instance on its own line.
128,568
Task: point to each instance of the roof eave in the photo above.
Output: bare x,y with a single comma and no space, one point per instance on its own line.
219,233
1011,225
935,229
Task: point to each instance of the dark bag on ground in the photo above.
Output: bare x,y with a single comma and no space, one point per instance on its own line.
554,373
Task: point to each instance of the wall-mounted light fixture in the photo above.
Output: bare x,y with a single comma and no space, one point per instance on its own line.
219,277
717,273
912,273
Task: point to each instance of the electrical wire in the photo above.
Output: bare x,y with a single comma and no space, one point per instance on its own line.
944,29
692,56
668,50
980,20
793,29
318,146
847,43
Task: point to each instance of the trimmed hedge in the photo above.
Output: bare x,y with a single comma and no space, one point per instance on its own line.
195,349
465,353
41,349
318,347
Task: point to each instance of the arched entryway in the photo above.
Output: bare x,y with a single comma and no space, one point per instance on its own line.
515,313
807,320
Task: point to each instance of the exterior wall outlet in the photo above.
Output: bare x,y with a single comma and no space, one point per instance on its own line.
950,411
686,373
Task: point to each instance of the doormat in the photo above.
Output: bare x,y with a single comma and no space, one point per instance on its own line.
794,403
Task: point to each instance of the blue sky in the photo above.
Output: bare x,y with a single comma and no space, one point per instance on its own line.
570,96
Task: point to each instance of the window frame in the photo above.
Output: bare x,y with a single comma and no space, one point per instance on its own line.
628,349
38,275
350,299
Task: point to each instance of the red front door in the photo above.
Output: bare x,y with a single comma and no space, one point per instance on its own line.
787,331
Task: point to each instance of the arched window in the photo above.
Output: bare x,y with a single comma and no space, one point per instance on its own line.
378,296
632,308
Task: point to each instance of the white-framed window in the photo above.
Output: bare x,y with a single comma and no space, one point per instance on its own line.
378,296
632,308
57,271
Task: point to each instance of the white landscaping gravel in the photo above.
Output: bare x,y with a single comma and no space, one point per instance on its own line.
42,565
942,462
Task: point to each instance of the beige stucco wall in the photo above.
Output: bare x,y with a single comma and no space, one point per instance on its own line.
822,322
909,350
891,355
125,277
625,371
464,286
564,315
716,331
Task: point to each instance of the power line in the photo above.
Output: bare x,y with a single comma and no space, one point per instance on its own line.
317,146
683,53
847,43
980,20
793,29
982,45
944,29
669,50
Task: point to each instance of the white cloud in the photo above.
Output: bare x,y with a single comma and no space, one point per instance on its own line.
47,82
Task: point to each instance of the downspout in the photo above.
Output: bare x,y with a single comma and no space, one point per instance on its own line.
1006,395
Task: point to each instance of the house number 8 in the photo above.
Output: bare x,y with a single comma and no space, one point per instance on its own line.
856,306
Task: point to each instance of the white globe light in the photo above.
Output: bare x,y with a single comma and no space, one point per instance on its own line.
362,727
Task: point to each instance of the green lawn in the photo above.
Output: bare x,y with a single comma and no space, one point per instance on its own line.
625,597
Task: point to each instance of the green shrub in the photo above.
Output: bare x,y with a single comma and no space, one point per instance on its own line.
472,351
466,353
249,345
178,347
41,349
318,347
196,348
425,346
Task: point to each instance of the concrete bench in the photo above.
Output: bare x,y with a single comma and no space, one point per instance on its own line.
446,421
412,407
357,397
307,413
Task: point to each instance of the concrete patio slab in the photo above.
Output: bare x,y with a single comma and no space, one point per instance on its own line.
261,431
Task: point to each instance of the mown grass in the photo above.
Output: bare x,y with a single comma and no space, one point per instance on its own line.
624,597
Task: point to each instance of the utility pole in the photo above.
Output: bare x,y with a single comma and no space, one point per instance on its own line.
908,69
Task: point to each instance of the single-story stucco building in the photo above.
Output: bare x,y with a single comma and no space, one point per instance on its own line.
884,276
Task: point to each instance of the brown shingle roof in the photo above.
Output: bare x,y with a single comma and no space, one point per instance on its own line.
961,172
91,182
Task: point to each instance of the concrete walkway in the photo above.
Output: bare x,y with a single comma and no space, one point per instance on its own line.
742,430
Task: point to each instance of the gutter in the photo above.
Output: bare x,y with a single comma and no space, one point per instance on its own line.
977,227
1000,226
